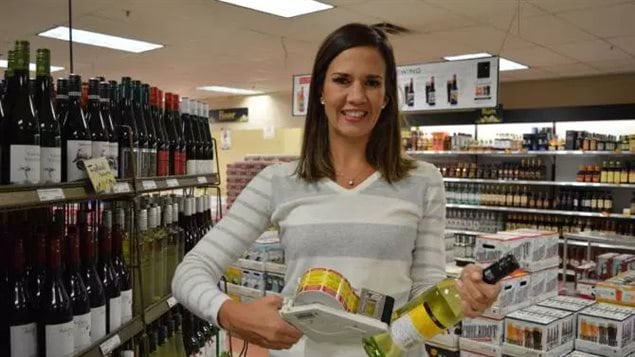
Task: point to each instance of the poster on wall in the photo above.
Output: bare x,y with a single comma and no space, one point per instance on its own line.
300,94
449,85
225,139
239,115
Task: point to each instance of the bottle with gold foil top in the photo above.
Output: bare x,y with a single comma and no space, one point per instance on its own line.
146,255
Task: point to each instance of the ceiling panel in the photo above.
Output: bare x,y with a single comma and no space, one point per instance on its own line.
626,43
570,70
605,21
491,12
614,66
550,30
597,50
556,6
536,56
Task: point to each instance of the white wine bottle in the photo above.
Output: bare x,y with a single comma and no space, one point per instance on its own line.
429,314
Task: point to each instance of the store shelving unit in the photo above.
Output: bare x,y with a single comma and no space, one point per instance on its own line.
578,153
540,211
543,183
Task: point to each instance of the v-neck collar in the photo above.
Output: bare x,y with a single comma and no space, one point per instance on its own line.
362,185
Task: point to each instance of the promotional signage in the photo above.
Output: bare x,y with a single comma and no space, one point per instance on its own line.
449,85
467,84
229,115
301,85
100,174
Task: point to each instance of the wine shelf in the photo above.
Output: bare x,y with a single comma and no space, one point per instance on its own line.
542,183
129,330
23,196
539,211
612,240
522,153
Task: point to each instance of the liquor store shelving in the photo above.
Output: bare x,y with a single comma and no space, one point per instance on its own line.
540,211
543,183
576,153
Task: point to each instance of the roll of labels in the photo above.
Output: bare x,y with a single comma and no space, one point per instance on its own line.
326,308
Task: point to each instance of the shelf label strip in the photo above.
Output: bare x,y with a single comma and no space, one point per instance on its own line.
121,187
149,185
50,194
172,182
110,344
201,179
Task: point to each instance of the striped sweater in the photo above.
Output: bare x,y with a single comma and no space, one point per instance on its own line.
381,236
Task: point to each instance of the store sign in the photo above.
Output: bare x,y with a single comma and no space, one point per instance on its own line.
449,85
240,115
300,101
100,174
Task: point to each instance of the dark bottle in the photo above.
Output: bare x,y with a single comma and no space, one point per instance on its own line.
454,91
107,273
20,130
163,151
20,314
178,125
78,294
76,136
37,276
142,132
173,139
56,329
129,153
119,264
89,273
191,144
97,123
198,137
61,100
113,137
151,130
50,139
114,96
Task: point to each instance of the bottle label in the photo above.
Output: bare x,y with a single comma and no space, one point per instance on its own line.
97,323
200,166
127,160
191,167
126,306
81,331
140,155
23,340
409,330
25,164
59,339
163,158
151,165
50,164
115,313
113,158
100,149
76,152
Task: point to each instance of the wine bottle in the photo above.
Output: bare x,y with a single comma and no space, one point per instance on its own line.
429,314
173,139
190,139
107,273
129,152
146,251
178,126
82,317
96,122
198,136
157,235
20,129
163,150
61,100
50,139
123,276
142,132
172,258
94,286
203,123
21,315
151,130
113,136
76,136
56,335
37,277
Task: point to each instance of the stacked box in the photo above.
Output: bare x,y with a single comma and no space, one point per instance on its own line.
619,289
567,303
567,321
606,329
580,354
532,331
604,265
513,295
535,250
622,263
481,336
544,284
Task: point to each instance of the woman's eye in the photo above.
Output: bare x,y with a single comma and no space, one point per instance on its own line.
340,80
373,83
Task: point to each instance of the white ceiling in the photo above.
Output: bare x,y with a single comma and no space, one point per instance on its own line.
212,43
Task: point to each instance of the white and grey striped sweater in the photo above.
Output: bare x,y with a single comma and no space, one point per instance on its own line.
381,236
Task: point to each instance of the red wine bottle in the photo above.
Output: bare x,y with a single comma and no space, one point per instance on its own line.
96,122
129,151
173,139
37,276
94,287
142,132
178,126
20,128
119,264
61,100
113,135
56,335
151,130
21,315
163,150
76,136
200,147
107,273
50,139
191,144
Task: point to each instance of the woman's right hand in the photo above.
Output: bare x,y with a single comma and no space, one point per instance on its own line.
259,322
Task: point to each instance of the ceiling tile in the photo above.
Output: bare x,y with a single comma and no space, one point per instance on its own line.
597,50
614,66
569,70
491,12
605,21
483,39
551,30
531,73
536,56
567,5
626,43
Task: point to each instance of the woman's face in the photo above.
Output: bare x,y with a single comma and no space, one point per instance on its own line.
354,92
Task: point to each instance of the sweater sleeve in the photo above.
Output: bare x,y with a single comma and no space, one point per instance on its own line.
195,282
428,266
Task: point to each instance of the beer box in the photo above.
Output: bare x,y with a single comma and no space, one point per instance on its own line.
491,247
622,263
567,303
567,321
513,295
585,288
604,264
472,348
605,328
619,289
532,330
438,351
483,329
544,245
580,354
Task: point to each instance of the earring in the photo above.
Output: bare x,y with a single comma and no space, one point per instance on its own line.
322,100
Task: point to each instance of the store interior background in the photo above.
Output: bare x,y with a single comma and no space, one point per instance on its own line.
579,52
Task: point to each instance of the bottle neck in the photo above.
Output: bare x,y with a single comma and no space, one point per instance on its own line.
73,258
105,244
87,245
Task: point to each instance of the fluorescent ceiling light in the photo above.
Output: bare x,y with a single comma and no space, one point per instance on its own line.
5,64
100,40
283,8
229,90
503,63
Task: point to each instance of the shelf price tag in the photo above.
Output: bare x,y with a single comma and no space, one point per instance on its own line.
201,179
109,345
50,194
121,187
172,182
100,174
172,302
149,185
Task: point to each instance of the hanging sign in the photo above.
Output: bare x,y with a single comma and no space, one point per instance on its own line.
300,100
240,115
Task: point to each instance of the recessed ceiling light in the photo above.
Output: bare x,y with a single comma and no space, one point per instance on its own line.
229,90
283,8
100,40
5,64
503,64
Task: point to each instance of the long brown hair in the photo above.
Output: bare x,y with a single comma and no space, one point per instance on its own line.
383,150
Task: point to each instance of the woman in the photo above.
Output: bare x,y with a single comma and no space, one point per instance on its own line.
352,203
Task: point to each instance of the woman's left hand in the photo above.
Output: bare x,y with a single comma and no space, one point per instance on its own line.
476,294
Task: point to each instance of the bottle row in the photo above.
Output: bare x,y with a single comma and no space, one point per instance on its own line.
46,140
528,169
615,172
67,284
525,196
584,140
492,222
